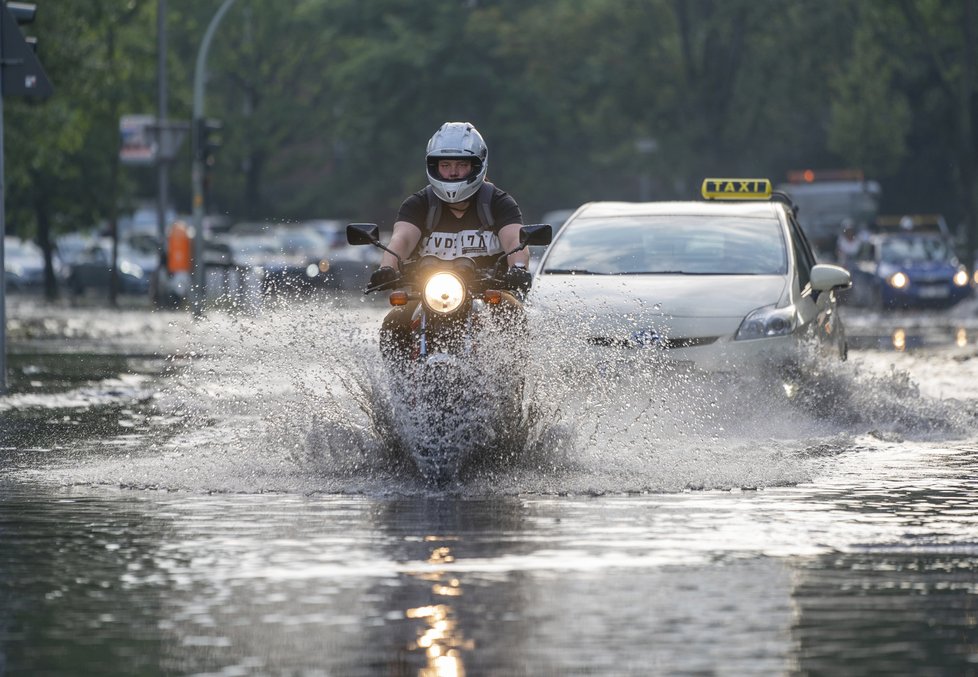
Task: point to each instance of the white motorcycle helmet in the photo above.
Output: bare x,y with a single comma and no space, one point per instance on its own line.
457,141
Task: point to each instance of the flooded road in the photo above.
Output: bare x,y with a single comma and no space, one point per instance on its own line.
226,497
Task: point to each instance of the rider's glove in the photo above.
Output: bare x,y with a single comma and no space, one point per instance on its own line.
383,275
518,278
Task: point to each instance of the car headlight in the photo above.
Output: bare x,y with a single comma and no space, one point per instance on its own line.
766,322
312,270
444,293
130,269
899,280
961,277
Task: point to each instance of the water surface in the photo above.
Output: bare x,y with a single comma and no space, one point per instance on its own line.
223,498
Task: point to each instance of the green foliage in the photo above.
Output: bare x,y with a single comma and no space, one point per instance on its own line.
327,104
870,117
59,154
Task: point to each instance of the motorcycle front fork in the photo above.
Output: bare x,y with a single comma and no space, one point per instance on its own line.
466,330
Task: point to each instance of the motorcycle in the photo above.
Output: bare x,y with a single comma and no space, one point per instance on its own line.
457,375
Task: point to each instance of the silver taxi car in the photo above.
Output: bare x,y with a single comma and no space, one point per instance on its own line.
721,283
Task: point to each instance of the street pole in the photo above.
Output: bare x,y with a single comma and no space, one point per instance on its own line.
162,164
199,286
3,234
27,78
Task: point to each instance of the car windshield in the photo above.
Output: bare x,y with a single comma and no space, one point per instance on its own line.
691,245
901,249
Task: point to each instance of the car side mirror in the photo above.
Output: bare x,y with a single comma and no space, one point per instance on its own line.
825,276
362,233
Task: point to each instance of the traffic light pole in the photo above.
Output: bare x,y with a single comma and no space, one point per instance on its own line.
199,287
21,74
162,163
3,234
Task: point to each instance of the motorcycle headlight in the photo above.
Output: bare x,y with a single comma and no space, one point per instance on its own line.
443,293
766,322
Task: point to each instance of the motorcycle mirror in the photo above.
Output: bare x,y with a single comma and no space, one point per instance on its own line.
367,233
536,234
362,233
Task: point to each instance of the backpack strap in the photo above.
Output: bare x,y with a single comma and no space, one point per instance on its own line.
434,210
483,207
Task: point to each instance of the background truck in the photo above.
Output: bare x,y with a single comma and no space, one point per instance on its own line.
828,198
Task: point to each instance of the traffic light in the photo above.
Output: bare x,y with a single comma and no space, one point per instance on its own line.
22,72
208,140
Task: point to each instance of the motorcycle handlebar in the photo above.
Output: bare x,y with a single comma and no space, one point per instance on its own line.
393,284
483,279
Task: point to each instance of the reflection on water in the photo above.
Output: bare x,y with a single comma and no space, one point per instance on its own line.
869,569
899,339
902,339
441,638
888,611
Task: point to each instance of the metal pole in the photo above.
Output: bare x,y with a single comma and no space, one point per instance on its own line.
3,234
161,163
199,287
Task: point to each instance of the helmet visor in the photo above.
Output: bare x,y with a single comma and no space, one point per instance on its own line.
454,168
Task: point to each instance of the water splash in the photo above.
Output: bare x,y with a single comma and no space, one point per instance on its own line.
297,398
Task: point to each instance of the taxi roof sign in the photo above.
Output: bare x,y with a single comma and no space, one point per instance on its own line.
736,189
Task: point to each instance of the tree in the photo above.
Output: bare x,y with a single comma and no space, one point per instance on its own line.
327,104
62,155
910,94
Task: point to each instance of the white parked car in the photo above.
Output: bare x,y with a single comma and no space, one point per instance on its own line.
23,264
720,283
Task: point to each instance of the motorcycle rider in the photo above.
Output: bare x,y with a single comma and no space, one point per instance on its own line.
458,214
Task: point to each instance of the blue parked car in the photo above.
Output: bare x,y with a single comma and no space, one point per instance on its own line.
908,270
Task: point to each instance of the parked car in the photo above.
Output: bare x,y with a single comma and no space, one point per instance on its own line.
92,269
70,246
253,251
298,264
286,257
23,263
729,283
347,267
906,270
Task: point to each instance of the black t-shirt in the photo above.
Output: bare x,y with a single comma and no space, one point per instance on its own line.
453,237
